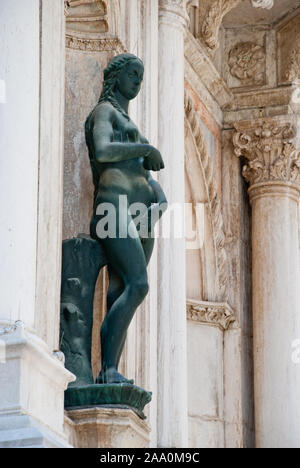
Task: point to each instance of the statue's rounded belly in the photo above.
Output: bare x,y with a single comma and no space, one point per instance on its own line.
135,186
141,192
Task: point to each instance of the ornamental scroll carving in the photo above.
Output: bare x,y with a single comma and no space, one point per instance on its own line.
213,21
270,152
216,314
216,13
247,62
214,203
105,44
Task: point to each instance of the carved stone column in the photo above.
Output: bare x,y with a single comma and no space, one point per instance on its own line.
273,171
172,367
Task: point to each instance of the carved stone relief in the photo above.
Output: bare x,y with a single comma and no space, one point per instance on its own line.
214,203
105,44
220,315
293,67
247,63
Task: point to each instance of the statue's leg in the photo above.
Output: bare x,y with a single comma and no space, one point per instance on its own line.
147,245
127,258
115,289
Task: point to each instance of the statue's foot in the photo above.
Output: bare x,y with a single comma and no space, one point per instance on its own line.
110,376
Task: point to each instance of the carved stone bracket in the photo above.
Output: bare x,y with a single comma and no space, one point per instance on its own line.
215,14
211,313
268,146
213,21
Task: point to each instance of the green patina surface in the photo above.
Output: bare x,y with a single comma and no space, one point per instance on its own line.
108,395
121,160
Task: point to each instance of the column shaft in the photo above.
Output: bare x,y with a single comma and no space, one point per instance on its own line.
172,366
274,176
276,316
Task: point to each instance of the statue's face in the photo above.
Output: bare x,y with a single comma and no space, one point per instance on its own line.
130,79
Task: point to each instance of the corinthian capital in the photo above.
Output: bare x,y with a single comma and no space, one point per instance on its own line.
268,146
176,8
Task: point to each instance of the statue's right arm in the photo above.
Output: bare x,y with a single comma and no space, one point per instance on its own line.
107,151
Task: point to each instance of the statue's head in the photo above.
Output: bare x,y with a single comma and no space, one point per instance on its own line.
124,73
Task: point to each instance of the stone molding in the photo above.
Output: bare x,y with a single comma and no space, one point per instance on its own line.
18,430
211,313
268,146
92,18
247,63
93,12
97,13
214,202
198,60
106,428
19,339
32,379
261,98
99,44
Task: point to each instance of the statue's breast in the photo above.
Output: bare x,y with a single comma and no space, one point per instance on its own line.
125,133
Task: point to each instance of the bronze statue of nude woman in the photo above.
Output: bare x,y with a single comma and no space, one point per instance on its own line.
121,161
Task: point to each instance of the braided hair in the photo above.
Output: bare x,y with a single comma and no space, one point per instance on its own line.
111,74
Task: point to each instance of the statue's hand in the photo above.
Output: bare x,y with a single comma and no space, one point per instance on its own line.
153,161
